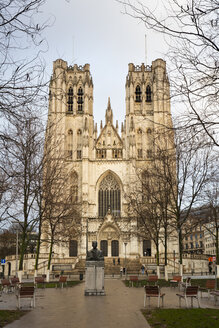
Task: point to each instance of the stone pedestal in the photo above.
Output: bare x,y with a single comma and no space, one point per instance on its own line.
94,278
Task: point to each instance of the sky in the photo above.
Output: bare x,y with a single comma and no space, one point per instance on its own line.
99,33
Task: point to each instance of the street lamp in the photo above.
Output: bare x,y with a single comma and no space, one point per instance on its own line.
125,261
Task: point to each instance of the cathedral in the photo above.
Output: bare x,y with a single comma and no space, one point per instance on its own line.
103,161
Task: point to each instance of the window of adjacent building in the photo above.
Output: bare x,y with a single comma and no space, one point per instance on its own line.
115,248
109,196
138,94
70,99
148,93
187,246
73,248
191,237
80,99
191,245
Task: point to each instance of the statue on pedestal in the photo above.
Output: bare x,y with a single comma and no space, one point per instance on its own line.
94,254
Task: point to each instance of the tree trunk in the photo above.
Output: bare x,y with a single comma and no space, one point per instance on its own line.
165,246
157,255
216,245
22,249
50,253
38,247
180,248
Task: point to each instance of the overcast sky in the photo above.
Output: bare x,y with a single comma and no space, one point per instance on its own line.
98,33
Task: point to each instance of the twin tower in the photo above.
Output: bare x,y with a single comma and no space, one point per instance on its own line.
71,109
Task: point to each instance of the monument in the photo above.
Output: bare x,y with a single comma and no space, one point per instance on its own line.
94,272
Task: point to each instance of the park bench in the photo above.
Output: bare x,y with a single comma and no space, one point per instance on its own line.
153,291
176,281
186,283
6,285
133,279
26,292
15,283
190,292
40,280
215,293
210,285
153,279
62,281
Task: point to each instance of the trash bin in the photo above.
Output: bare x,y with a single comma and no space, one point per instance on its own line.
81,276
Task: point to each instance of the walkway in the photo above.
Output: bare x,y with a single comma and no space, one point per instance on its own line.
69,308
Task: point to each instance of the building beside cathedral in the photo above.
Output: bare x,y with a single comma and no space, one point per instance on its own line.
102,166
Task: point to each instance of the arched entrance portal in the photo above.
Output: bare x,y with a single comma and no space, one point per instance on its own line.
109,240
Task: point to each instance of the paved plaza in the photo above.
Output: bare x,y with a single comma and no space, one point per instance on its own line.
68,307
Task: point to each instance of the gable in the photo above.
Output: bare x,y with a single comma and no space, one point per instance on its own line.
109,138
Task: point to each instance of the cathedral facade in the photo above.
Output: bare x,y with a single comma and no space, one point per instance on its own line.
103,165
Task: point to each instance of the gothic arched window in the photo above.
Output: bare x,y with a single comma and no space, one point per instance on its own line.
73,187
138,94
70,144
109,196
148,93
79,144
70,99
80,99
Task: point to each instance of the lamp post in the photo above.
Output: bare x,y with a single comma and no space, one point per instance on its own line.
125,261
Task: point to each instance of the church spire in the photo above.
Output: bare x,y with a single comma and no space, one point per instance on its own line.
109,113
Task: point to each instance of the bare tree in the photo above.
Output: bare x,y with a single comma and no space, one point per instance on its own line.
187,173
141,205
59,199
21,157
210,210
190,29
21,63
172,185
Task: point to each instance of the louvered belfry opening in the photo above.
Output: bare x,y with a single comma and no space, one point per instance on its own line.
109,196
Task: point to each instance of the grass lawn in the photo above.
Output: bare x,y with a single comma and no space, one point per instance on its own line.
53,284
182,318
7,316
164,283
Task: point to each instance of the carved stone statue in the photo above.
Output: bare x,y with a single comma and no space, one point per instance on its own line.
94,254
